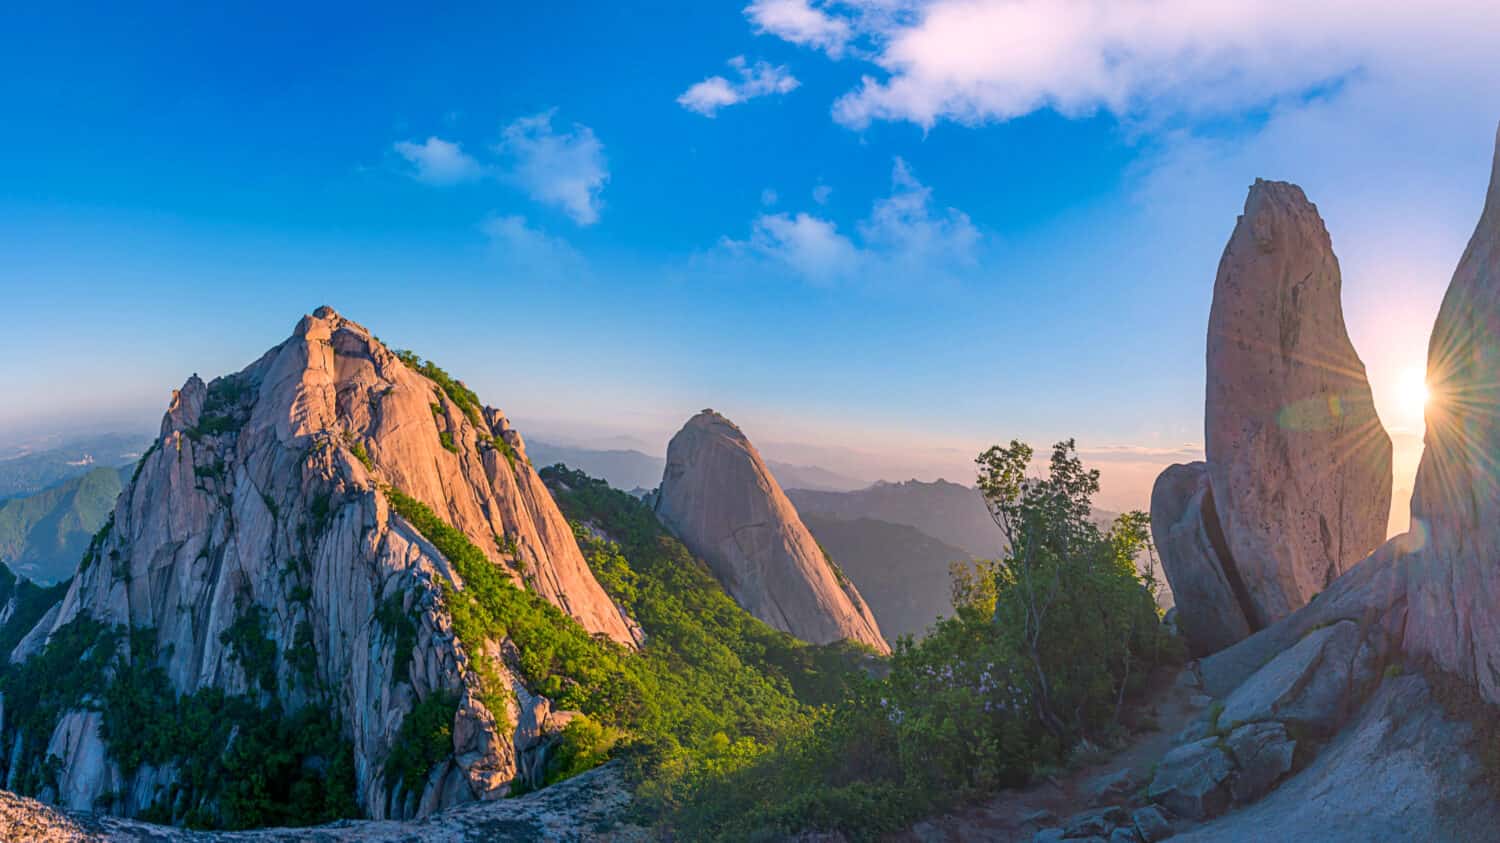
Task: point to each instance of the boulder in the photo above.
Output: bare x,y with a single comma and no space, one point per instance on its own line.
1094,823
1193,780
1264,753
1209,608
718,496
1399,772
1151,824
1313,685
1298,460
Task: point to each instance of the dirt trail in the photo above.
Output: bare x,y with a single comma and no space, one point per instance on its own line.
1016,815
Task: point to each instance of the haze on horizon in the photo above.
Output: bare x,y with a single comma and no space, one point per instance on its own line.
879,235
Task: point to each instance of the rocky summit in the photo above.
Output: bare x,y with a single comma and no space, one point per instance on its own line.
1298,465
259,553
718,496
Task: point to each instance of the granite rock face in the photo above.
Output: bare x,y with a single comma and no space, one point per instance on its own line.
263,494
1298,466
1298,460
1454,573
719,498
1185,530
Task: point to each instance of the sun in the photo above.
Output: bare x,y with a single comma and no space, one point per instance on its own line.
1412,393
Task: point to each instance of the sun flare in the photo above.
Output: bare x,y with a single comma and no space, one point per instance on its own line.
1412,393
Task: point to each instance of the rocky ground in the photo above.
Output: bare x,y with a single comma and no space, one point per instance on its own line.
588,808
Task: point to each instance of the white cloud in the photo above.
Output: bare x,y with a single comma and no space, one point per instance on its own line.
757,80
799,22
525,248
975,61
768,197
565,169
905,239
821,193
436,161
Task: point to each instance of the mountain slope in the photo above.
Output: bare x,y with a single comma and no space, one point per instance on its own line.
27,472
43,535
902,572
948,512
335,536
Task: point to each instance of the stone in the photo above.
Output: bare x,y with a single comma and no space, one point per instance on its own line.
1124,835
1455,506
1314,684
1208,609
1193,780
263,490
589,808
1373,595
1399,772
718,497
1094,823
1299,463
1039,817
1048,835
1151,824
1264,754
1120,784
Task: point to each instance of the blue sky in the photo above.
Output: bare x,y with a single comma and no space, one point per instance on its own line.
905,228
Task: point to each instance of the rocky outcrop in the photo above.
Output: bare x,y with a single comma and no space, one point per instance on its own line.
1185,530
589,807
1455,568
1298,465
719,498
262,499
1400,772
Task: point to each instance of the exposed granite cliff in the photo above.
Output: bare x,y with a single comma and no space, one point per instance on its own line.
719,498
261,508
1298,467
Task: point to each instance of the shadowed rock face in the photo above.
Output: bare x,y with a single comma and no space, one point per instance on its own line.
1185,530
1298,466
719,498
1454,599
262,494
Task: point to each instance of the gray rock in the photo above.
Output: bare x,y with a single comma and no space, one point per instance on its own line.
1124,835
718,496
1400,772
1098,822
1048,835
1193,780
1039,817
590,808
1455,510
1151,824
1373,594
1298,461
1184,526
1117,785
1264,754
1314,684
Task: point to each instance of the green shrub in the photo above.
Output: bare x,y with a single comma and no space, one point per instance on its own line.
446,439
425,738
1044,648
399,627
249,645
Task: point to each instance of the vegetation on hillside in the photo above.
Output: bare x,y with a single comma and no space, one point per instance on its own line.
1044,649
43,535
711,689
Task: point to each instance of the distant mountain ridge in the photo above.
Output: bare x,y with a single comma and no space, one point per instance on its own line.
949,512
24,472
903,573
627,468
44,535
